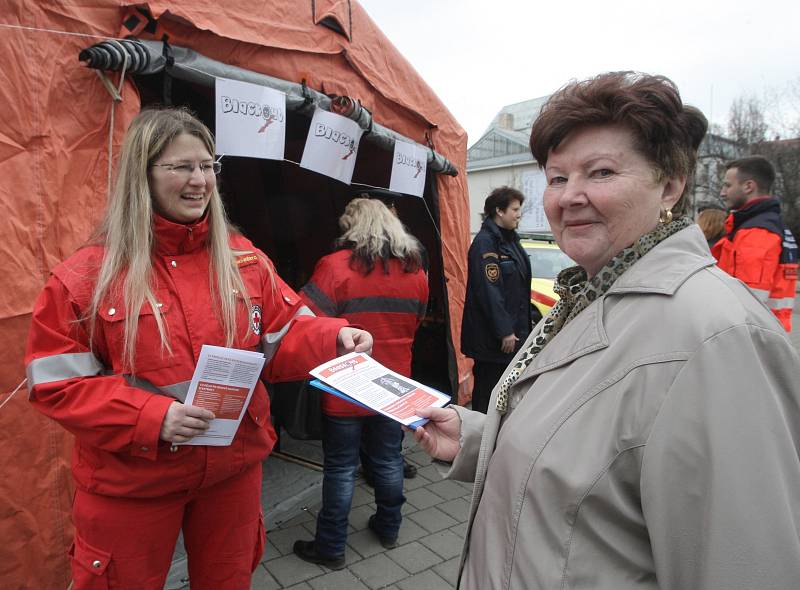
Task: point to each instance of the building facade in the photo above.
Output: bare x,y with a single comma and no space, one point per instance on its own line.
502,156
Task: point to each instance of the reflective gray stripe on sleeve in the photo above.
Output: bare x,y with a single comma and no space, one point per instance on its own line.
270,342
176,390
385,305
784,303
320,299
761,294
59,367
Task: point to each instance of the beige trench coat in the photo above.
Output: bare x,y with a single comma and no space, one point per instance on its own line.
652,444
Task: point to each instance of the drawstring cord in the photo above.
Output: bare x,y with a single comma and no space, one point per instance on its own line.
116,96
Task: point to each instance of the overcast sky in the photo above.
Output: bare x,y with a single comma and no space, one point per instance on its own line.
481,55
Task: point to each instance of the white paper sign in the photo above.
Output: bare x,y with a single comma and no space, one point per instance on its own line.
533,217
332,146
408,168
251,120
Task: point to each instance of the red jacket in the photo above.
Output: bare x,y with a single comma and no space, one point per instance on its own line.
758,250
116,418
388,305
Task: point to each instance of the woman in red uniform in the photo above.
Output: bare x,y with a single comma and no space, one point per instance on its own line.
114,340
375,280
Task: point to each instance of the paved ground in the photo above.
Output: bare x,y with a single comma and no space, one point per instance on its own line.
430,539
434,518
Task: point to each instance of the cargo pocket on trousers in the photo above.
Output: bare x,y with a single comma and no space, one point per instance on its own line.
89,566
258,549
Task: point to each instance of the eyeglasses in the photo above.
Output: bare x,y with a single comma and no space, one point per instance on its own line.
186,170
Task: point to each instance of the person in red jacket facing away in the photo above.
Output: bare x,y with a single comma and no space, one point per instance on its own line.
756,248
114,340
375,280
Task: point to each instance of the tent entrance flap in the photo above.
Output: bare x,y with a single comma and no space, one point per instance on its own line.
149,57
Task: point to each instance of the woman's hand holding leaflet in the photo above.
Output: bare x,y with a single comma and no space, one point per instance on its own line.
441,436
182,422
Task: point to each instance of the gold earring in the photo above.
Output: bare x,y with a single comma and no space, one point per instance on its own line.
665,216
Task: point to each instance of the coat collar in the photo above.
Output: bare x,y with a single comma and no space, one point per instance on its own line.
667,266
177,238
504,235
661,271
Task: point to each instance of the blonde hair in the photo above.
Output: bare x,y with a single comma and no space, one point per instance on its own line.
374,233
127,231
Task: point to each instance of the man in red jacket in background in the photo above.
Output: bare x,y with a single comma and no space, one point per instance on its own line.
757,248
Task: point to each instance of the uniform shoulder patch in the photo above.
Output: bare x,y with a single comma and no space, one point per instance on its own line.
490,255
492,271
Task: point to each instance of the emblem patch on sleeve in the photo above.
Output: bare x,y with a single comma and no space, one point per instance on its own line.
255,319
492,271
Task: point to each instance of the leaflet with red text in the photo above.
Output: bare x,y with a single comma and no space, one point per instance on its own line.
365,381
223,382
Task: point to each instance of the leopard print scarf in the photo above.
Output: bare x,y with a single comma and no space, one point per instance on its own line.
576,292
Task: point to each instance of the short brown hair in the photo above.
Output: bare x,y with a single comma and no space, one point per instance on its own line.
501,198
755,168
665,131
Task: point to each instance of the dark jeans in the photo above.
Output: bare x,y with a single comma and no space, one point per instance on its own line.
341,441
486,377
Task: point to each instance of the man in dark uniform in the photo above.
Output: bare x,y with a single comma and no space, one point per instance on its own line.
497,311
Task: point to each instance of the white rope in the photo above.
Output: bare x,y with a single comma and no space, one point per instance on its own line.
116,96
5,401
56,32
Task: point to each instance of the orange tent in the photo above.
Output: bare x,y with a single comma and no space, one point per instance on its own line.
54,153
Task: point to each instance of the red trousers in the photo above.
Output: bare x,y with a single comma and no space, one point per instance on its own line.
128,542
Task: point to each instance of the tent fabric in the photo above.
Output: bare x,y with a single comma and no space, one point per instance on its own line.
54,166
334,13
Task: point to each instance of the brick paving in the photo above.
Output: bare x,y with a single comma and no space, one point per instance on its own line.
430,539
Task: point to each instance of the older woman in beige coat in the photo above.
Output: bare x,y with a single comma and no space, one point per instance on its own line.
647,433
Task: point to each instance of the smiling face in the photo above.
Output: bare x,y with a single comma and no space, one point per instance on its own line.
602,194
179,195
